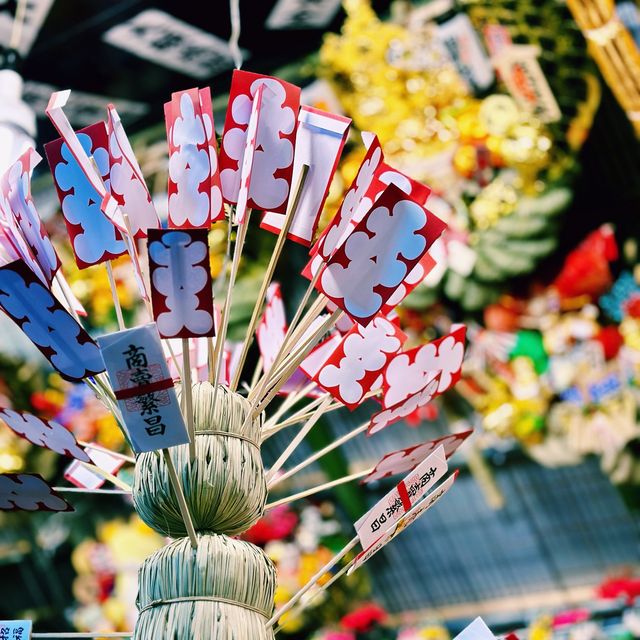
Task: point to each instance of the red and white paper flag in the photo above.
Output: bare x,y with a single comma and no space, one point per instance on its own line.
126,182
405,460
29,492
401,498
359,360
374,260
181,287
215,188
408,518
405,407
413,279
189,185
83,477
81,191
16,196
273,159
272,328
351,210
44,433
246,167
58,336
409,372
320,139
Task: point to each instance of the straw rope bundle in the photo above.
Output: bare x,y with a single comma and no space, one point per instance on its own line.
224,485
224,590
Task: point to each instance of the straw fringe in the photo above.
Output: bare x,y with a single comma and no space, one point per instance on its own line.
224,590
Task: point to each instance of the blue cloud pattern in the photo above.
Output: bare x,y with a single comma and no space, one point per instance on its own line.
97,241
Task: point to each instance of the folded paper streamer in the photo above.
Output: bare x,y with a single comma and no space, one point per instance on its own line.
320,139
140,379
400,499
126,181
356,365
402,523
44,433
405,407
181,287
373,261
15,629
29,492
195,199
29,303
405,460
275,138
94,238
19,217
82,476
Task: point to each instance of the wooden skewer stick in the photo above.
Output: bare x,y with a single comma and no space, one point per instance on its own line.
115,454
224,319
319,488
299,356
289,339
304,414
327,567
297,440
303,303
114,295
268,274
113,492
320,589
256,373
293,398
187,397
121,484
182,503
319,454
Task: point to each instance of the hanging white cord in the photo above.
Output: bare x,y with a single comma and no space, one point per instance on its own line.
234,39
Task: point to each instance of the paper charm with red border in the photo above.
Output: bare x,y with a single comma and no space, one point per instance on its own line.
276,135
405,460
94,238
389,509
126,182
404,408
189,184
58,336
359,360
408,518
408,372
181,286
377,256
